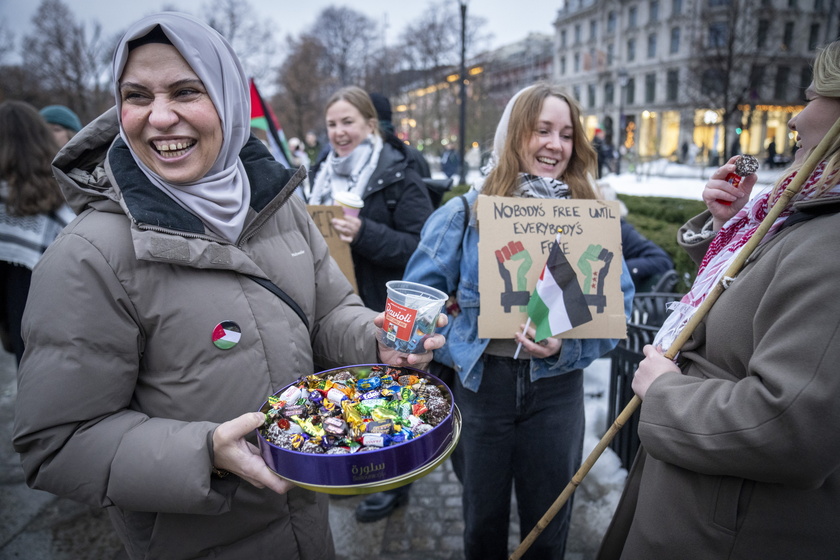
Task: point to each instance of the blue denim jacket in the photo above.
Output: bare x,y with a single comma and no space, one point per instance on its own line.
443,262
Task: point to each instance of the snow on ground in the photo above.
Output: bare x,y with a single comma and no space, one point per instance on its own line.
664,178
597,496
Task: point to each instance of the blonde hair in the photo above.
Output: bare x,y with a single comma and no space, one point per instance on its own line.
826,84
358,98
503,179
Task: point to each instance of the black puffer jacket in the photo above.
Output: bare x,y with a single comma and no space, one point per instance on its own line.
396,206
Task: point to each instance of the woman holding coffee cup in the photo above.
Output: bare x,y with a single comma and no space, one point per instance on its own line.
373,175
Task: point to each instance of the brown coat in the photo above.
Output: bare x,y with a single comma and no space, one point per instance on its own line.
121,387
743,450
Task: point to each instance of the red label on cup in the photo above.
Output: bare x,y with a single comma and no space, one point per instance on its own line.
399,321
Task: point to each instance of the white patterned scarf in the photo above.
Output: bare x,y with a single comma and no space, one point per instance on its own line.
726,246
23,239
350,173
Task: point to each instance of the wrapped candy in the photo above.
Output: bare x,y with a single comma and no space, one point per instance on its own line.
340,413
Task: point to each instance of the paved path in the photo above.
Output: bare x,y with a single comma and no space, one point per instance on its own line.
35,525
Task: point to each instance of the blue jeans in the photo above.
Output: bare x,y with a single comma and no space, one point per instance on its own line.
521,434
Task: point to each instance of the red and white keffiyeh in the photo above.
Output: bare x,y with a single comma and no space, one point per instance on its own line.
728,243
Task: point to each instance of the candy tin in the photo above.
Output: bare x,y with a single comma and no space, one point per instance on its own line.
384,437
396,482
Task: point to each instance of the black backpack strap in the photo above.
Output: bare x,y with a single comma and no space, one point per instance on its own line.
393,193
277,291
466,216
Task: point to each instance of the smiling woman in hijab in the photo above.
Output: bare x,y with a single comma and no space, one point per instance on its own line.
149,342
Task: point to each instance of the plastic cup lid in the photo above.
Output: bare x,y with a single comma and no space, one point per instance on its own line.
349,199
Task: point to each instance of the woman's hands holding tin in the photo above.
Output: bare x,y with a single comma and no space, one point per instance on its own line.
232,453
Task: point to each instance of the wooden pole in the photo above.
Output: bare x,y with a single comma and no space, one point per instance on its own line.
734,268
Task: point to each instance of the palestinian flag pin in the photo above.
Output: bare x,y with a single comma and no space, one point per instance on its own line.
226,335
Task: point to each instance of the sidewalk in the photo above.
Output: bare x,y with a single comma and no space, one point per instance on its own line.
35,525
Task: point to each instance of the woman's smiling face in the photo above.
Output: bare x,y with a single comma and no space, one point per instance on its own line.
168,117
346,127
549,148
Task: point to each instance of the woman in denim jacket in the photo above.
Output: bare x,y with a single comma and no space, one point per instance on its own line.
523,419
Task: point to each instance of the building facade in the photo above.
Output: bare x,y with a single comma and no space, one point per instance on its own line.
691,79
427,111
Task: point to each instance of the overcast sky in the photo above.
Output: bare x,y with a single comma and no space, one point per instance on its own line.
507,20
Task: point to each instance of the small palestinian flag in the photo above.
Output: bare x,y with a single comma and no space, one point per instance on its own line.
557,304
226,335
263,117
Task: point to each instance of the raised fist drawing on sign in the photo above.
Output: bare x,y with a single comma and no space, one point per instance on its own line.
594,264
514,260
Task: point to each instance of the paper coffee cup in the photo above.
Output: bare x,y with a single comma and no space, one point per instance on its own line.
350,203
411,313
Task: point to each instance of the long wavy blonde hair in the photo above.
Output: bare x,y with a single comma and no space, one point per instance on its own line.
503,179
826,84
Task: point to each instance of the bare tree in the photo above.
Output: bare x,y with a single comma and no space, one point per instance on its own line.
348,38
432,48
7,42
67,60
304,85
383,70
738,44
251,36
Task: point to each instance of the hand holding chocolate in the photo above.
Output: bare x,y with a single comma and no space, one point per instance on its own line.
744,166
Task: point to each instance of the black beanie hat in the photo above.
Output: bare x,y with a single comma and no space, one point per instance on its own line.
382,105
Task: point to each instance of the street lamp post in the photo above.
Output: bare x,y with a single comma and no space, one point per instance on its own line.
622,84
462,127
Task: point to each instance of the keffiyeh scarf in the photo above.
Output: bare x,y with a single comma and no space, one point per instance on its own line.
23,239
531,186
726,246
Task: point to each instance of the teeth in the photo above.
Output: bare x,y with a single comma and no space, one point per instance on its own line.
172,146
547,161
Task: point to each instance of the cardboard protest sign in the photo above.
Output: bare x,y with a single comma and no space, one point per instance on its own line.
339,250
516,237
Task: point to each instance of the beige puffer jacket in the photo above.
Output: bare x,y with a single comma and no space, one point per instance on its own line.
121,385
742,453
